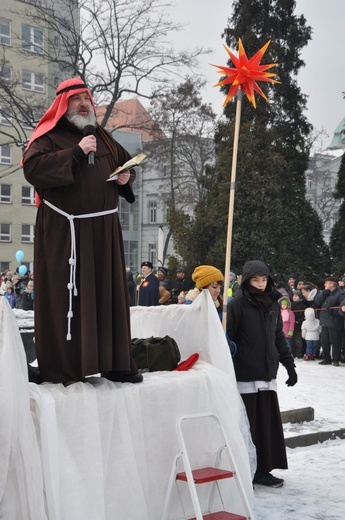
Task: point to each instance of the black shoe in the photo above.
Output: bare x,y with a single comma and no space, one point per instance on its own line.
324,362
335,363
267,479
34,375
123,377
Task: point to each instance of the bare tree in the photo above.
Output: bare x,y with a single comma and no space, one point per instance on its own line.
119,47
187,147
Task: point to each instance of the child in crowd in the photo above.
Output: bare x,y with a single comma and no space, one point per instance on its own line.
311,330
288,319
9,295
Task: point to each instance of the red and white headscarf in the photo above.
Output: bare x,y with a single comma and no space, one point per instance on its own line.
58,108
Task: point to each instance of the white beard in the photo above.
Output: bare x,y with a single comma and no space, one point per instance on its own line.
81,121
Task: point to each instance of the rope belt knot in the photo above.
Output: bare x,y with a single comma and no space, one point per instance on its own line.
72,285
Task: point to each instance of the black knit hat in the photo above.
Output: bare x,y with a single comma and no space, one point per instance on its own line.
147,264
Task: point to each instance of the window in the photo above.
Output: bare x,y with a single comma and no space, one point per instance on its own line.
166,212
152,212
32,39
5,116
5,193
309,183
4,266
28,195
152,253
334,219
28,233
6,73
32,81
5,32
5,154
5,232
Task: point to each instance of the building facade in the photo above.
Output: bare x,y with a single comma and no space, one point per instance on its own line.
321,179
27,85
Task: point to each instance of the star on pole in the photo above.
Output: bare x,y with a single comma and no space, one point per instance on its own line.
245,73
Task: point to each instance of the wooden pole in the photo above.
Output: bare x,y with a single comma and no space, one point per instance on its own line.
239,97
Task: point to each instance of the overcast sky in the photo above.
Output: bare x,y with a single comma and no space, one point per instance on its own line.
322,79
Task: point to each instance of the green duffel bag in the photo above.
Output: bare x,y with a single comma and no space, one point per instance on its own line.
153,354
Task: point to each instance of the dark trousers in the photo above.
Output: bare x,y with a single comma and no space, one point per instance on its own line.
331,338
298,347
266,429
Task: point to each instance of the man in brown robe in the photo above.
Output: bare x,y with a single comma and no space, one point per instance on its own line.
82,322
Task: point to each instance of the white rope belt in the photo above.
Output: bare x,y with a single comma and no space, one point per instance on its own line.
72,286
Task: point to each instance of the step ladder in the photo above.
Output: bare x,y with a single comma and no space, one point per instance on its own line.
205,475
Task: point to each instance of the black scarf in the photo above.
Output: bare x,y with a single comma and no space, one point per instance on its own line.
263,298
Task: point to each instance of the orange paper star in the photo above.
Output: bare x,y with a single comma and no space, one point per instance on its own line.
246,73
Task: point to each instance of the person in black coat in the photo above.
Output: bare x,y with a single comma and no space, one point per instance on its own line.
148,294
182,283
131,287
331,321
254,323
298,307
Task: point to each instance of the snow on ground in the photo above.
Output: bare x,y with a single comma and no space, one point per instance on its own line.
315,481
314,487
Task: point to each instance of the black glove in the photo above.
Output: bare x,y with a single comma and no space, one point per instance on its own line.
292,376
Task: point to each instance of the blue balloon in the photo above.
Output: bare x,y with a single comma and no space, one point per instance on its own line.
22,270
19,256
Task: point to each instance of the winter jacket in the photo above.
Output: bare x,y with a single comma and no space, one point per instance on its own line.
27,301
11,298
257,331
309,299
311,327
330,318
298,309
288,317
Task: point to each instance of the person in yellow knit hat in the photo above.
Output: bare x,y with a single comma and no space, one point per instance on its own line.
211,278
207,277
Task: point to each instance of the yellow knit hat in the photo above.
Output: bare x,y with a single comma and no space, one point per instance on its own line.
204,275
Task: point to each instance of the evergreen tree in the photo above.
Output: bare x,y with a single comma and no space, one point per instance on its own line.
337,243
272,219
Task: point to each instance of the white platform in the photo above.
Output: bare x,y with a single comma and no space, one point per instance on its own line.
103,450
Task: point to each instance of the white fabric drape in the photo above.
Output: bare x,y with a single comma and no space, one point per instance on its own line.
21,485
103,450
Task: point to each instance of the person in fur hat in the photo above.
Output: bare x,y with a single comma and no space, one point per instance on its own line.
254,323
148,290
311,330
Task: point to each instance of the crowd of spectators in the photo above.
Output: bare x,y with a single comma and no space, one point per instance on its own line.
18,290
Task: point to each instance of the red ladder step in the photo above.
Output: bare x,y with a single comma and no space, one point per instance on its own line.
222,515
206,475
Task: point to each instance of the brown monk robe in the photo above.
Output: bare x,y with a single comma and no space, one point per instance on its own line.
99,328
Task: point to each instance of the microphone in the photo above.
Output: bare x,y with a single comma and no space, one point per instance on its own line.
90,130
